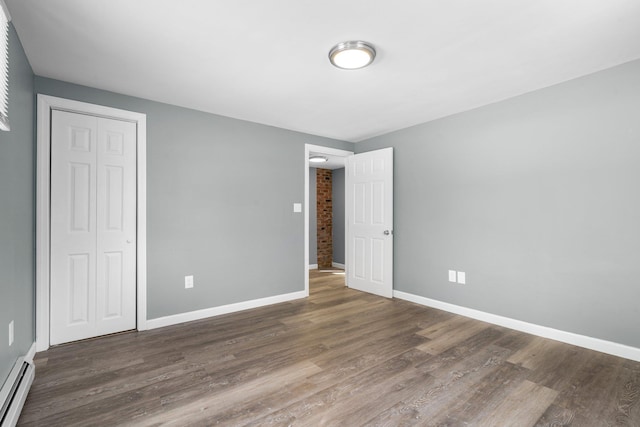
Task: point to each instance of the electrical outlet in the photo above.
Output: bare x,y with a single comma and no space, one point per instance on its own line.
452,276
188,282
10,333
462,277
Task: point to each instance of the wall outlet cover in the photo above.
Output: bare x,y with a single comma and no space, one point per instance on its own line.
452,276
462,277
297,207
188,282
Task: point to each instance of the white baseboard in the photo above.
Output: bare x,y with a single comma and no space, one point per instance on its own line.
223,309
596,344
313,266
31,353
337,265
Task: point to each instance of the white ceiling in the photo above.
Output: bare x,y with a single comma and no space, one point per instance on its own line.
266,61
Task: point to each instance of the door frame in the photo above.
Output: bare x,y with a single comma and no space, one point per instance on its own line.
45,104
308,148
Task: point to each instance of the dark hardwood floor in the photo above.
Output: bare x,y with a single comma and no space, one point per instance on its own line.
338,358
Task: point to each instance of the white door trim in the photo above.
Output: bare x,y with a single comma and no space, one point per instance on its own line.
43,171
308,148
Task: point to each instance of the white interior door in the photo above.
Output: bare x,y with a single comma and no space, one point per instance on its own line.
370,222
93,226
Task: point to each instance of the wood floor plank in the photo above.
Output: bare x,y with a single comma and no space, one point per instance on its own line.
556,416
321,407
523,407
454,384
340,357
445,327
441,342
622,404
483,398
537,353
562,358
628,401
206,407
591,391
340,371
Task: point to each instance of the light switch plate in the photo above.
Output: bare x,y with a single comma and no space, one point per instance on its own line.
462,277
452,276
297,207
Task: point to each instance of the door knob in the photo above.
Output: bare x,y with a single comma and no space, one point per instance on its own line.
387,232
129,241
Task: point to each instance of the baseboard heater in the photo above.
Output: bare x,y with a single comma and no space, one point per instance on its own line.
14,392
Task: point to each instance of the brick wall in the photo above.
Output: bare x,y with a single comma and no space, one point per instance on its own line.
324,209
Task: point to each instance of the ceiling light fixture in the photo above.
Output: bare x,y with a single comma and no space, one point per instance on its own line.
352,55
318,159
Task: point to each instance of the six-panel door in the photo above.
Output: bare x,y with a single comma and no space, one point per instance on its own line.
370,222
93,226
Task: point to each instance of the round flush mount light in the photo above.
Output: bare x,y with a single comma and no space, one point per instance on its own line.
352,55
318,159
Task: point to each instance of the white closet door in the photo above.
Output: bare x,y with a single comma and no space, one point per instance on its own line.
93,226
116,227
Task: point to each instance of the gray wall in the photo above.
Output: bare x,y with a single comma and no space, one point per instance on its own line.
17,212
313,218
337,196
536,198
220,197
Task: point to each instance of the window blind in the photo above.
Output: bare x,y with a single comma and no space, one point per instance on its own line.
4,66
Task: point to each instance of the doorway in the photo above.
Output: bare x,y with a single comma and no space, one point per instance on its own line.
327,215
48,107
368,219
337,156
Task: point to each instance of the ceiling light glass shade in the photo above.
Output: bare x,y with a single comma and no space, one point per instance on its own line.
352,55
317,159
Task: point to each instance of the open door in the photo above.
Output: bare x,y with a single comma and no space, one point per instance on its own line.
369,194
